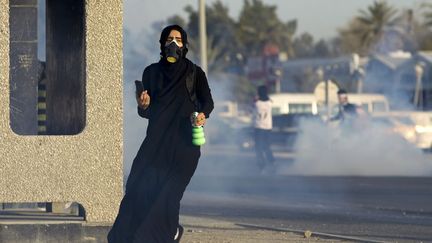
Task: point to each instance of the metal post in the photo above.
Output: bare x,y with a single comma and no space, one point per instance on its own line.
359,85
203,35
359,76
327,99
357,71
277,85
418,88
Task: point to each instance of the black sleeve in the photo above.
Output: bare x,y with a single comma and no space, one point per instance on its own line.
145,79
203,93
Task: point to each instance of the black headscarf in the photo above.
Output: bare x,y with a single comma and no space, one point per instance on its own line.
174,72
164,35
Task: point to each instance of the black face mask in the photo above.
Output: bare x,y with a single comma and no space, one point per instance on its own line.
173,52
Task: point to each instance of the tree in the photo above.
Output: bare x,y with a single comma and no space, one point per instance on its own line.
424,31
373,22
221,38
304,45
259,25
415,33
367,29
322,49
427,14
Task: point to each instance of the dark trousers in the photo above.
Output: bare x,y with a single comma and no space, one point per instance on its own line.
264,154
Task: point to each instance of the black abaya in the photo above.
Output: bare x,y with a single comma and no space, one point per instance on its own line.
166,160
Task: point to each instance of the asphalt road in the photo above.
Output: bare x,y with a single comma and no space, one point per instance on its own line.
227,185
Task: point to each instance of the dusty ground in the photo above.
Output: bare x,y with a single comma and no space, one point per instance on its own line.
207,230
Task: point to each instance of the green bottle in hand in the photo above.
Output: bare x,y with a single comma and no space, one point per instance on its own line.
198,137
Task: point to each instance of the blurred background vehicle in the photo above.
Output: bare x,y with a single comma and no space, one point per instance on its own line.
233,125
369,103
294,103
288,112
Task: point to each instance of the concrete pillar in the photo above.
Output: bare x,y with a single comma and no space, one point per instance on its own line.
23,66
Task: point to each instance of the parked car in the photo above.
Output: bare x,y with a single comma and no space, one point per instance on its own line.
294,103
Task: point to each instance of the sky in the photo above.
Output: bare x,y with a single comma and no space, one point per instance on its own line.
321,18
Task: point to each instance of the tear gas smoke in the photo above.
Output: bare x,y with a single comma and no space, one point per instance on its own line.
369,150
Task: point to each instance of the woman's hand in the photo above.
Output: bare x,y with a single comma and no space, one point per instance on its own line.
200,120
143,100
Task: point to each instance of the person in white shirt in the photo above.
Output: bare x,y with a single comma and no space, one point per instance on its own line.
263,124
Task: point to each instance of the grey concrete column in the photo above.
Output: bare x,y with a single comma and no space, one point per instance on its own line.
23,66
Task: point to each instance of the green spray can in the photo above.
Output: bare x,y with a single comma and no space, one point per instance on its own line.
198,137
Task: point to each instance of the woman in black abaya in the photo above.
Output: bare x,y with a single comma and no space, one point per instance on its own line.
167,159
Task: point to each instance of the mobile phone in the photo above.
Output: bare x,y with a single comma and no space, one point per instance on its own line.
139,87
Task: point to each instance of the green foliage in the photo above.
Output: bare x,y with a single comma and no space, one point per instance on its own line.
427,14
424,31
221,39
259,25
373,21
304,45
423,35
322,49
381,29
366,29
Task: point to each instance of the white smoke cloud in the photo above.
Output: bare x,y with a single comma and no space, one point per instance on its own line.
369,151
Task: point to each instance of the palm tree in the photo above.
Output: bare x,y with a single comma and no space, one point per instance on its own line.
367,29
374,20
221,40
428,13
259,25
425,30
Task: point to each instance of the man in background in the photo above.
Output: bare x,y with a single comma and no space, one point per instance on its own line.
263,124
346,109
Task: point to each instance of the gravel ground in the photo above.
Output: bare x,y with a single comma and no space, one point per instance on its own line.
207,230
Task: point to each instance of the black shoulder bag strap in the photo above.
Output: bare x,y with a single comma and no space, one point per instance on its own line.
191,87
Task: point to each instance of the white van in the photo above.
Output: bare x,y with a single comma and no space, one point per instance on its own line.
370,103
294,103
307,103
